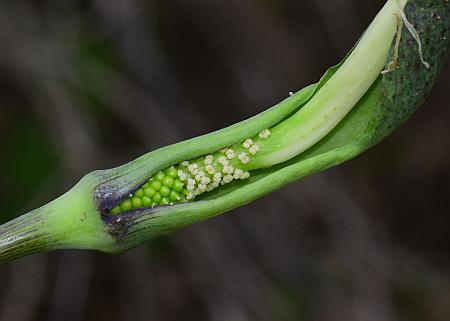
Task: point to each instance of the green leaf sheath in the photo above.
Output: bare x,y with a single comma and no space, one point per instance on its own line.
111,210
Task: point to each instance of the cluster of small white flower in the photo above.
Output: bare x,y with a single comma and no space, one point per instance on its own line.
208,173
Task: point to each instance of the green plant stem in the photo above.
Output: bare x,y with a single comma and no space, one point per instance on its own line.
67,222
24,236
379,104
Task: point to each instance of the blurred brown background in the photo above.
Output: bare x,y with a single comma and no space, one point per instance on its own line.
93,84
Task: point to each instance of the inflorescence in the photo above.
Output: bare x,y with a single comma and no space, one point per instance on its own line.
187,180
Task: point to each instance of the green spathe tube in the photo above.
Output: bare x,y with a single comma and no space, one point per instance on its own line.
379,104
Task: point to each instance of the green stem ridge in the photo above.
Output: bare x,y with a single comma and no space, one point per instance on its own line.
80,218
23,237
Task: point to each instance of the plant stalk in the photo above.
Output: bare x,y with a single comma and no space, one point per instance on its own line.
349,110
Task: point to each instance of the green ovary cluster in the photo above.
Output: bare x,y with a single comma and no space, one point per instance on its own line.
162,189
189,179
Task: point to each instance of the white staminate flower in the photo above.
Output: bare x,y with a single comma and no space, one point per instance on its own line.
185,163
193,169
208,160
246,175
190,196
238,174
264,134
205,180
245,160
199,176
228,179
254,149
231,154
243,157
222,159
182,175
202,188
248,143
210,169
190,188
191,181
228,169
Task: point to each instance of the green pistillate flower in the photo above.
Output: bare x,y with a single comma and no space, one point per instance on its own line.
162,189
356,104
